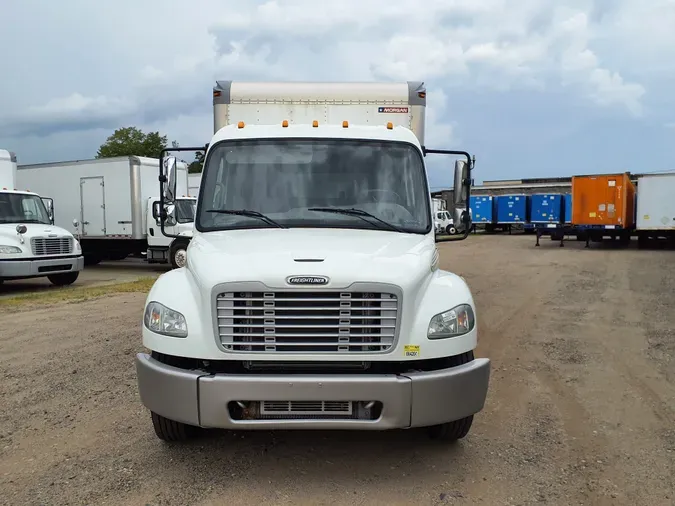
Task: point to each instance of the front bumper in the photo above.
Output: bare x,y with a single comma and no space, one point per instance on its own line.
418,399
38,267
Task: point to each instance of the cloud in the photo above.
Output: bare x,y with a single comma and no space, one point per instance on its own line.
153,63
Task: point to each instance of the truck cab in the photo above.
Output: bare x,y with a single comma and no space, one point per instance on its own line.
312,296
30,245
180,221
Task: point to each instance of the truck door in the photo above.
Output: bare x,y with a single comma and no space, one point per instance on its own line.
92,205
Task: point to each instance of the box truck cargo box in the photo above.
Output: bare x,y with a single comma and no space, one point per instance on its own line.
603,201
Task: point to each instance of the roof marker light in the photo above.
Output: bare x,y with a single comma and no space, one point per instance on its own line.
390,125
315,123
284,123
240,124
345,124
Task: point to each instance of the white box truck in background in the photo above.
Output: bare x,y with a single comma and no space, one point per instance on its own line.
194,180
113,203
30,245
443,220
312,297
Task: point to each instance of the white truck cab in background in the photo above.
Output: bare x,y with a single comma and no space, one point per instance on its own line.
30,245
312,297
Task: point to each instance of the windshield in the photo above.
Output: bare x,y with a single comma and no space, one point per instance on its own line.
185,210
22,208
284,178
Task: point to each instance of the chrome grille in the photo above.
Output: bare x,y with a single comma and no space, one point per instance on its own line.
45,246
307,322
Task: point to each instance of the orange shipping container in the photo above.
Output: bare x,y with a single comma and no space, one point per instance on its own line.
603,200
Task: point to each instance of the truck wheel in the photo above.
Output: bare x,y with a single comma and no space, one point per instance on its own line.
451,431
451,230
178,254
65,279
171,431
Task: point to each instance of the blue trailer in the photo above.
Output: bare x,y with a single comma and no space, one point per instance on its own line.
482,209
568,208
512,210
563,226
546,208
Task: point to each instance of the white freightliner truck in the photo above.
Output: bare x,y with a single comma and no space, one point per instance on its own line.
30,245
312,297
113,203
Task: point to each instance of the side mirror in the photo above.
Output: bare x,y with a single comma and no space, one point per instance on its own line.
170,173
461,182
21,229
76,223
49,205
170,215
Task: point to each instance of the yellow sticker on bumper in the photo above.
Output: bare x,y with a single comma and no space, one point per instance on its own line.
411,350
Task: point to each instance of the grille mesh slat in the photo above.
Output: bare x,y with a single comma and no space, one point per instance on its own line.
46,246
307,322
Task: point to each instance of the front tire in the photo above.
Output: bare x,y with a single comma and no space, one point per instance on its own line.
172,431
65,279
178,254
451,230
451,431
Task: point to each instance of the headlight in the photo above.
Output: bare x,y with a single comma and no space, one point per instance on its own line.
455,322
9,250
165,321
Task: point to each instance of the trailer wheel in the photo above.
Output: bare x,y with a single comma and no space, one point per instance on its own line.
178,253
170,430
451,431
67,278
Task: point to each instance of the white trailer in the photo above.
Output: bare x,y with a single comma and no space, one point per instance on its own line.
113,204
31,246
655,207
312,297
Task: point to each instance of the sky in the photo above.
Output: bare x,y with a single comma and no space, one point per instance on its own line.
533,88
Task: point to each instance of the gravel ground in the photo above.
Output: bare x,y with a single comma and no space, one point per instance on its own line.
580,408
105,273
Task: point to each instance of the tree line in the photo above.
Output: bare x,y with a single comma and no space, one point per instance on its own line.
132,141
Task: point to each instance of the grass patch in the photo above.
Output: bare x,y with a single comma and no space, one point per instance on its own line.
78,293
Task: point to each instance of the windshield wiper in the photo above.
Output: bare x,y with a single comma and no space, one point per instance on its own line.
355,212
245,212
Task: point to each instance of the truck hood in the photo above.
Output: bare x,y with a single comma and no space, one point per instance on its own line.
8,235
344,256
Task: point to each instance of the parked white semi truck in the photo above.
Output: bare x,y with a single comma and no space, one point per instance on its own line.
30,245
312,297
113,203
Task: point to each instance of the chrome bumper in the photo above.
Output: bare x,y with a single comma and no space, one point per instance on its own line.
38,267
417,399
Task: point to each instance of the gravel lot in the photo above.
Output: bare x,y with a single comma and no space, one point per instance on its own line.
580,408
96,275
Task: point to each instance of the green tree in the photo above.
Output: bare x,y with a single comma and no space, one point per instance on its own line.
198,164
130,141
